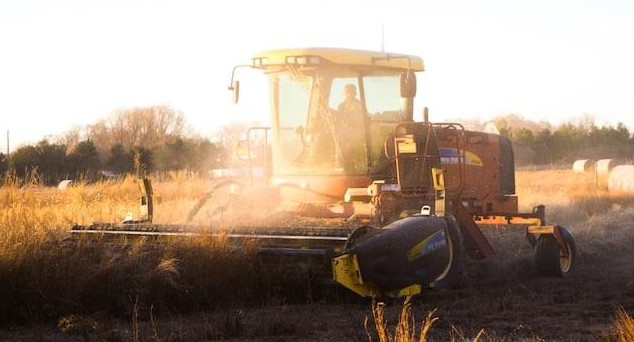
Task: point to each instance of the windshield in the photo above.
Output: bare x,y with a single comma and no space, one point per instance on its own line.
332,120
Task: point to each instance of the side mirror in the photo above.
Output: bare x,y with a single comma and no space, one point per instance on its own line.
235,89
408,84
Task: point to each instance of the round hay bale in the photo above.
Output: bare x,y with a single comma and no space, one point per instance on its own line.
64,184
603,168
605,165
622,179
582,165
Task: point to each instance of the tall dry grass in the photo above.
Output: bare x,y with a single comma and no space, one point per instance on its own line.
45,274
624,326
405,329
569,197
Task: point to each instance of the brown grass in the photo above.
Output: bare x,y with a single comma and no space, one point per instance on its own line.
624,326
405,330
569,197
45,277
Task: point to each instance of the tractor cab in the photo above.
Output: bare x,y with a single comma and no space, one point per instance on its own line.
333,114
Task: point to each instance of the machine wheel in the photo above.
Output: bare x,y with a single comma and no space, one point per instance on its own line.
452,275
551,259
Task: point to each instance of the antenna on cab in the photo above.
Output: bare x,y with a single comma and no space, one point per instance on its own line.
382,36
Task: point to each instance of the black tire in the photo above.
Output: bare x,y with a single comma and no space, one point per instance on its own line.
550,259
452,277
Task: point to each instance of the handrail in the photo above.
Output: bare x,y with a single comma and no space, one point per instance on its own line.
266,152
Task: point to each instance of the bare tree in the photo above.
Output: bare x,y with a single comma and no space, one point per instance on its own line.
71,138
142,126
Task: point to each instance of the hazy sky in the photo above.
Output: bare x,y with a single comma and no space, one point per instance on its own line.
65,63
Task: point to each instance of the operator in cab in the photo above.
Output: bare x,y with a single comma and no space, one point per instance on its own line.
351,131
351,106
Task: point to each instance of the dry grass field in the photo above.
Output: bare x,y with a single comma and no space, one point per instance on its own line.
55,289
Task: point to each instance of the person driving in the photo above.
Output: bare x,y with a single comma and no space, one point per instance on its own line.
351,123
350,105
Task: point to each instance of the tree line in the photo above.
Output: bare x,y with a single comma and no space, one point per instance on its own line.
145,139
536,144
153,139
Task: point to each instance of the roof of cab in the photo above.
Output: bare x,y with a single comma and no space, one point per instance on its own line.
340,56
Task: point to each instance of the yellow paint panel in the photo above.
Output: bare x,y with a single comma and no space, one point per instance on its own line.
541,230
502,220
345,57
415,251
406,147
411,290
345,271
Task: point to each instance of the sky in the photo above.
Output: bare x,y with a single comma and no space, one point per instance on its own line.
69,63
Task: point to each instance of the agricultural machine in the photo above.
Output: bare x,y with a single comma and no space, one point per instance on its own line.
396,203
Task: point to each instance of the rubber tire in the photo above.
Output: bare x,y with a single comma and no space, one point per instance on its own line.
453,278
548,251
